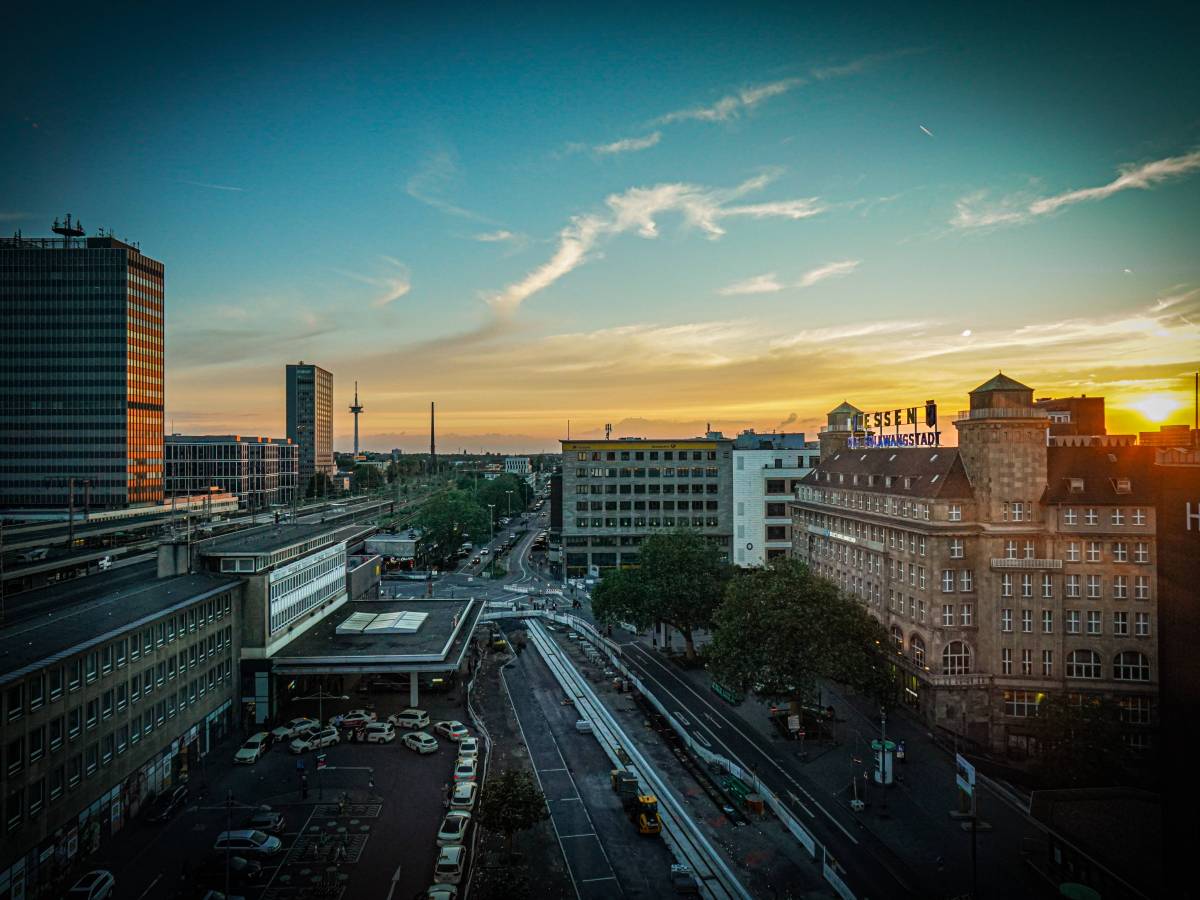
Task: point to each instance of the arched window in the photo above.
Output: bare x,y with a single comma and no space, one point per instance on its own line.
1131,666
916,646
1083,664
956,658
898,637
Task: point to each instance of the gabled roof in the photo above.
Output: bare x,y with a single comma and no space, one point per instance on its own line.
1001,382
845,407
1095,474
933,472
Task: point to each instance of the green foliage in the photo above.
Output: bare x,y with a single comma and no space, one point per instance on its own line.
495,491
319,485
511,802
780,629
680,580
1080,744
367,478
447,519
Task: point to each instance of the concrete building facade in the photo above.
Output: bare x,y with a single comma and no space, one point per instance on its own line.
1004,569
617,492
81,382
518,465
261,471
310,418
767,469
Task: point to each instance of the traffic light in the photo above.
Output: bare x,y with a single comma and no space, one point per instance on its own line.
931,413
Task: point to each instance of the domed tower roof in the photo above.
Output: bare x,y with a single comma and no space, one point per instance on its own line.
1001,392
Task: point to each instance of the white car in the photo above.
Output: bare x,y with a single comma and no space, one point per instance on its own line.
454,828
462,796
449,868
380,733
421,742
98,884
441,892
104,563
314,740
468,748
248,842
464,770
410,718
254,748
455,731
290,729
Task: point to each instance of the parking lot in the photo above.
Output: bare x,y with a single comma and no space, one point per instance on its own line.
369,819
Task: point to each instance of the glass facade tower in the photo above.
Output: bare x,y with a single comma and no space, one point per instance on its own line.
81,373
310,418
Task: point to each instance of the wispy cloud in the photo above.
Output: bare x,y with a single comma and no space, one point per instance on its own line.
210,186
638,210
12,216
437,175
395,281
976,211
829,270
733,105
495,237
862,64
759,284
629,145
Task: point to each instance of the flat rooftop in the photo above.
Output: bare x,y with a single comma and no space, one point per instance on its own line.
438,644
270,538
63,619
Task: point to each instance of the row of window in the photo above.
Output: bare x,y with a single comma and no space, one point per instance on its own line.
638,455
1091,516
626,505
710,487
877,503
24,802
49,684
1023,704
1076,619
649,522
1128,665
651,472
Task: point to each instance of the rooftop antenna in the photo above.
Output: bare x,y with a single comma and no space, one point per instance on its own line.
67,229
432,438
356,409
608,431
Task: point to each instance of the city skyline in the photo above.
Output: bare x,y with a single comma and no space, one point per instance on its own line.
656,220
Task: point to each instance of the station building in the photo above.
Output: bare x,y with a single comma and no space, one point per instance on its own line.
1004,569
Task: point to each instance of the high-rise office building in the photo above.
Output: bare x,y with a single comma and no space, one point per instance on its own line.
260,470
310,418
81,372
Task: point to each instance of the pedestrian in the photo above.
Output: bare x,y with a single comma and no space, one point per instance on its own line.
303,787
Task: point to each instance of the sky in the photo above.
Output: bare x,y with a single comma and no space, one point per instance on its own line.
662,217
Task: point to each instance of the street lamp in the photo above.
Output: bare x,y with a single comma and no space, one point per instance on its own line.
491,521
508,502
320,696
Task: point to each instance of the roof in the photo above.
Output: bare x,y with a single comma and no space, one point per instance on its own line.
933,471
845,407
270,538
1092,475
1001,382
226,439
1120,829
81,613
437,644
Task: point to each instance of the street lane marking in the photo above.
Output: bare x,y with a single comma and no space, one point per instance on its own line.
150,886
682,718
560,769
602,878
702,739
565,800
567,837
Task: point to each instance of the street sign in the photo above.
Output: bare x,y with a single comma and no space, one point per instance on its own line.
964,775
320,760
793,722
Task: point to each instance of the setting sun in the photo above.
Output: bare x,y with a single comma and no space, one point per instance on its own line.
1156,407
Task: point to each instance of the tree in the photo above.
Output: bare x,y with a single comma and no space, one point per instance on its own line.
447,518
319,485
367,477
1080,743
780,629
511,803
496,490
679,580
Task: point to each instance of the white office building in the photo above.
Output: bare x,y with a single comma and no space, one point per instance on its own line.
517,465
766,470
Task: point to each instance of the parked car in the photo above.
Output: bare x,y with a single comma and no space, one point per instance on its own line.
468,748
449,868
255,747
583,726
455,731
247,842
454,828
380,733
98,884
462,795
167,803
290,729
484,552
464,770
266,819
410,718
314,740
356,718
420,741
441,892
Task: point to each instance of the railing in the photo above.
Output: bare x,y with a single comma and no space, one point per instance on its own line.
1003,412
1005,563
960,680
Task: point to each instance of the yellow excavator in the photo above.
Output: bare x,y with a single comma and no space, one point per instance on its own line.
642,809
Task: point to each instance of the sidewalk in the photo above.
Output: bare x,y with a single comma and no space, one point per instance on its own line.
910,819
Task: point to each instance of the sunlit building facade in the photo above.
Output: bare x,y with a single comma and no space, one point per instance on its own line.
81,373
310,418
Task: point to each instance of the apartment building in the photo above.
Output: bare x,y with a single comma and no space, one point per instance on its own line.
261,471
1004,569
109,699
767,469
617,492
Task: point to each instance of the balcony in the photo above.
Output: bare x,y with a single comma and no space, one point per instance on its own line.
1027,563
1002,412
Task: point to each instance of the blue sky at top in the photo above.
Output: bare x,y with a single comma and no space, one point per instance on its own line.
296,166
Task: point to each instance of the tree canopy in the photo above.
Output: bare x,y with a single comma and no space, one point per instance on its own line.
1079,742
782,628
680,579
511,802
448,518
367,477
